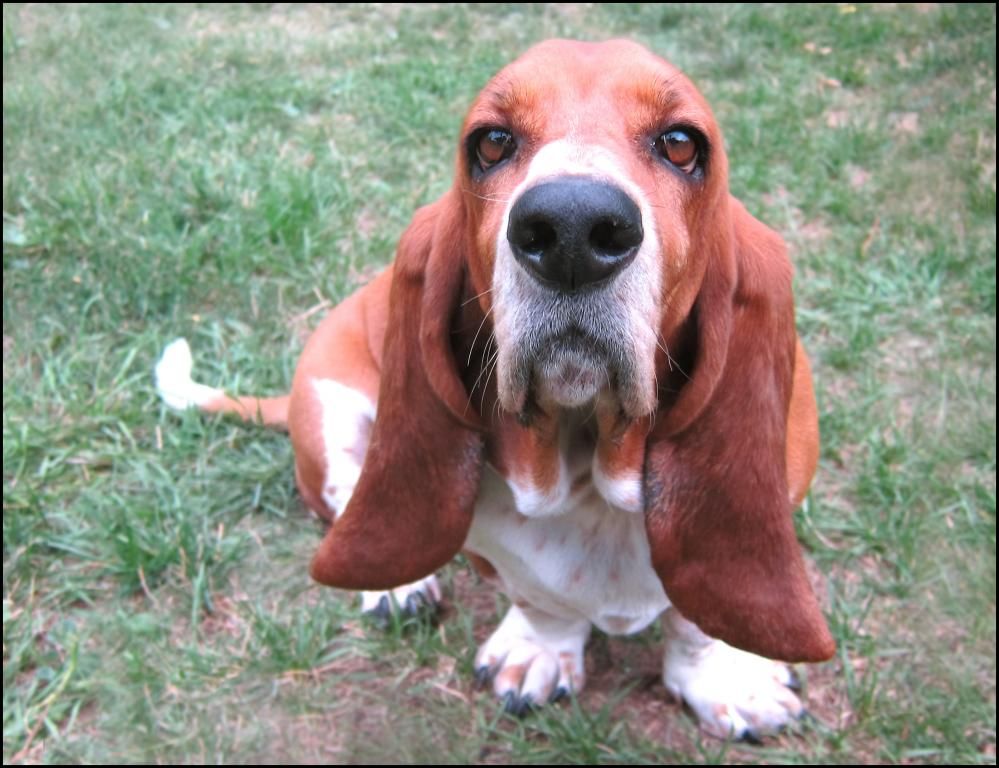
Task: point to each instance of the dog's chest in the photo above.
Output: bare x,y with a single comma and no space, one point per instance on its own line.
589,560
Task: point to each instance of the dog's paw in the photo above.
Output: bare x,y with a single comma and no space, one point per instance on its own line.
421,598
735,695
532,659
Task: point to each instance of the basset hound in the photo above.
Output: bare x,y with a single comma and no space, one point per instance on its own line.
582,370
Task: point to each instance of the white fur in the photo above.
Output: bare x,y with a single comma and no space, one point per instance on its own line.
533,656
591,562
173,379
587,565
538,502
348,416
623,491
429,588
733,693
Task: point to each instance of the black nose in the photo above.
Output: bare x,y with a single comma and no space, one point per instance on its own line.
574,232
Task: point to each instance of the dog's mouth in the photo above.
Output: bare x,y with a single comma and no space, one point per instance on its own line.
564,368
564,362
570,369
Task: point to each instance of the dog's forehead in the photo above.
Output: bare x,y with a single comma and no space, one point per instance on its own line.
564,85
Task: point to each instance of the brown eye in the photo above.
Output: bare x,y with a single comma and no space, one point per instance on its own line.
493,147
679,149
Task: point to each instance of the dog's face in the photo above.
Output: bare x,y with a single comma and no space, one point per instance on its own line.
581,194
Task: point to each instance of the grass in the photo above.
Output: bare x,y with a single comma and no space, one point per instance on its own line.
218,172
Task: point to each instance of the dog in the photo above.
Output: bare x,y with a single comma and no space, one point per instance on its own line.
582,370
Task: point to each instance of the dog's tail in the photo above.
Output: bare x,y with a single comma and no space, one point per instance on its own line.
180,392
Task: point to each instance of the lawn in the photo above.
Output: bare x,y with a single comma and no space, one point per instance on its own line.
227,173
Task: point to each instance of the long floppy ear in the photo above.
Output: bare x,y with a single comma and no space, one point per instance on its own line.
718,513
412,507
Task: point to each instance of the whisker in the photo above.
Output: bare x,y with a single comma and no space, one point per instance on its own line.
673,363
475,384
490,362
670,360
661,344
475,338
496,403
469,301
471,392
655,376
487,198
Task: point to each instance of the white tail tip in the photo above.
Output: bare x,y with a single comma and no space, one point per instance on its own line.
173,379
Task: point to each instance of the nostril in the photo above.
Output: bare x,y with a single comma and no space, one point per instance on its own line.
613,237
535,237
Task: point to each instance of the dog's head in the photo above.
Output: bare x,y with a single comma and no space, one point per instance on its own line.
589,170
589,254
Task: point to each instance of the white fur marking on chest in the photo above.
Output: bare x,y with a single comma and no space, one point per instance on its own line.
591,561
535,502
623,491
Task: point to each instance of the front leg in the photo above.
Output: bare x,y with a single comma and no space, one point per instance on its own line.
735,694
533,658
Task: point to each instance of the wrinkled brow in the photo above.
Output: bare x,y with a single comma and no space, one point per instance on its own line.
507,100
669,98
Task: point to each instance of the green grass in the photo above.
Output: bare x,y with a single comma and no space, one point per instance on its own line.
216,172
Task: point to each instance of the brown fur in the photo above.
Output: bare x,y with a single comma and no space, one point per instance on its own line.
718,508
